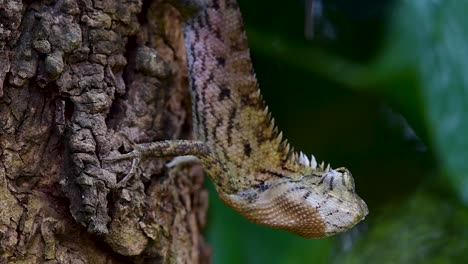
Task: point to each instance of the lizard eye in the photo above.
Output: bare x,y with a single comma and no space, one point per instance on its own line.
347,179
342,170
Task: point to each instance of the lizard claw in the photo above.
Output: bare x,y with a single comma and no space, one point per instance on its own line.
135,155
136,160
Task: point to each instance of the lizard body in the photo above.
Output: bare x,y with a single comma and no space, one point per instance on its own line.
254,170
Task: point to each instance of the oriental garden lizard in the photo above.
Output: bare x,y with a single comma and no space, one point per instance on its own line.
255,171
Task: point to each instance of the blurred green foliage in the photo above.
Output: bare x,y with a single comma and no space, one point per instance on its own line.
387,97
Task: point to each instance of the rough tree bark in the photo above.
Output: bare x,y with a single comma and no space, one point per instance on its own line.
74,76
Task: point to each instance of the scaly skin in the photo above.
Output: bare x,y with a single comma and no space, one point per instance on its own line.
254,170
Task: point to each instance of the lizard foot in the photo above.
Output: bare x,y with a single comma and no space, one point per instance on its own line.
135,155
181,149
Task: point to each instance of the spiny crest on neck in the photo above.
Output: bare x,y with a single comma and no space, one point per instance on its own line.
287,151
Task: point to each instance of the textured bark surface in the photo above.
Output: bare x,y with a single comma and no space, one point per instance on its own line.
74,76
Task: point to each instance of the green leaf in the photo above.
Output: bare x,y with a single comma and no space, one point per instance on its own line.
432,37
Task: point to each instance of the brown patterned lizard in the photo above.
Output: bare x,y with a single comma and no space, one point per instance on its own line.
254,170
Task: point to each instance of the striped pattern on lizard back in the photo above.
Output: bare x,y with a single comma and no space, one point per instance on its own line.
229,113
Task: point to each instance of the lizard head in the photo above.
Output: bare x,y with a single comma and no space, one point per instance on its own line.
321,203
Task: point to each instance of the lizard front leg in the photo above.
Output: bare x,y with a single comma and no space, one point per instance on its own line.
173,148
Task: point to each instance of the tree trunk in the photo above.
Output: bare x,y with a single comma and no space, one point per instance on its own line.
76,75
